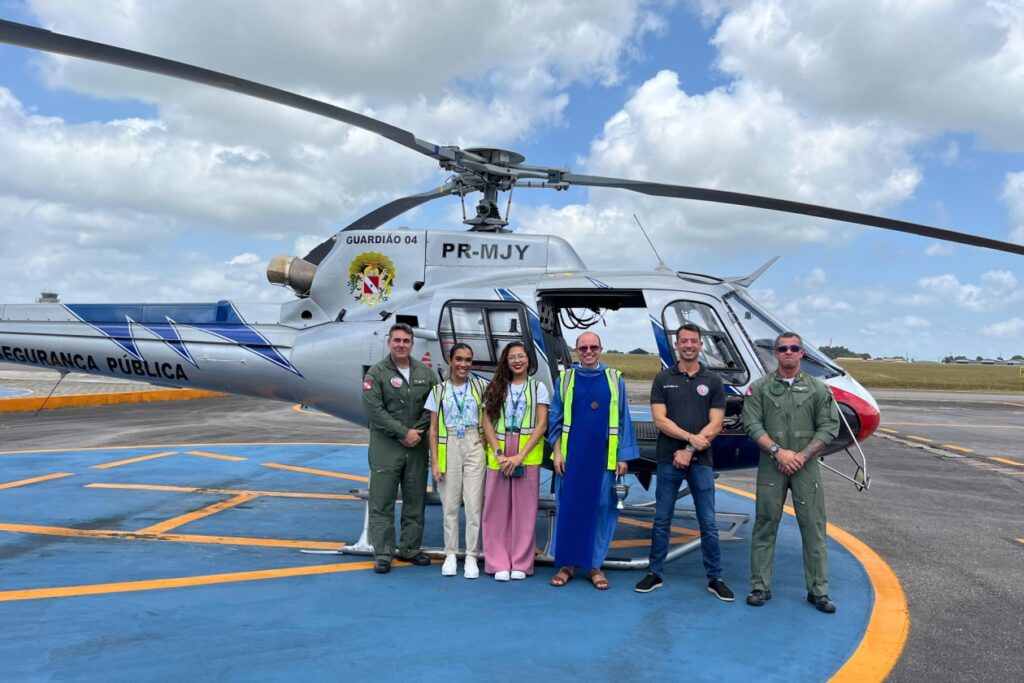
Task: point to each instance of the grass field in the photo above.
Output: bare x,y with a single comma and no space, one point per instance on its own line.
877,375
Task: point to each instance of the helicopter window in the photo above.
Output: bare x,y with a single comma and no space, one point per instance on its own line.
761,329
487,327
718,353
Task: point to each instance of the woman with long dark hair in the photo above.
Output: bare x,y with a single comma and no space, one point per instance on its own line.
457,456
515,423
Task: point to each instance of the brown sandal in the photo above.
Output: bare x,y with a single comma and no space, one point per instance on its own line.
599,580
563,577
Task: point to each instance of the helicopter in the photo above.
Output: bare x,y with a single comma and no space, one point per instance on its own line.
485,286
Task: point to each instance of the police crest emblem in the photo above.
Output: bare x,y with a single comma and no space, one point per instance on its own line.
370,277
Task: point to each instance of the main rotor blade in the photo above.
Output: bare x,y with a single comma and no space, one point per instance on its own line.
48,41
786,206
380,216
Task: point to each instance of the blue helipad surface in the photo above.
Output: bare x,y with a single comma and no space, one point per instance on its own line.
186,565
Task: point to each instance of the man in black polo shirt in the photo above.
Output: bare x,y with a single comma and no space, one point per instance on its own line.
688,406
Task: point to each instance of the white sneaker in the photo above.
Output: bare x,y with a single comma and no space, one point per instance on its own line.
501,576
518,575
471,571
450,566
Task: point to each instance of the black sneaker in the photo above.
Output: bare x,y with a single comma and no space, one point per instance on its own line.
758,597
382,567
648,583
822,603
419,559
720,590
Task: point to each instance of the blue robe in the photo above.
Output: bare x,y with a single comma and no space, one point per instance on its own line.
586,502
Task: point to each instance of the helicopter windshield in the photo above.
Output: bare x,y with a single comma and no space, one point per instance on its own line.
761,329
718,353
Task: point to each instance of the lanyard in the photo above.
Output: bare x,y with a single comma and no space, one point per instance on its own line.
510,424
461,405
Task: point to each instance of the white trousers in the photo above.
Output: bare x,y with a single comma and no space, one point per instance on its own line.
463,485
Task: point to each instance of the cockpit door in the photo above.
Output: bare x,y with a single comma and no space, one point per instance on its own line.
724,351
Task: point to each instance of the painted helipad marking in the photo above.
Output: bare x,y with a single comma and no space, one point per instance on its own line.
955,426
321,473
181,445
35,480
182,520
229,492
170,538
889,623
180,582
1007,461
957,448
217,456
919,438
888,431
129,461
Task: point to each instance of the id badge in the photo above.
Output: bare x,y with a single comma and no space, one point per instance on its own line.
461,433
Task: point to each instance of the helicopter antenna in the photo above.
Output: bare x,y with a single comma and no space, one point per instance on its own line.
661,263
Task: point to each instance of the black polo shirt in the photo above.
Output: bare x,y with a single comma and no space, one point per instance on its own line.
688,401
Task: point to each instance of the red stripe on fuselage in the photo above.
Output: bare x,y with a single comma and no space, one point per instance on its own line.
868,414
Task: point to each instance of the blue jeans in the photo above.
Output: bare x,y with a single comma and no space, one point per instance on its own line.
701,480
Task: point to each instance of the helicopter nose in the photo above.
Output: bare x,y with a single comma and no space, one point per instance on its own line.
863,406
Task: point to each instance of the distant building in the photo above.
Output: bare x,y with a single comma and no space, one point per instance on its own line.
639,352
48,298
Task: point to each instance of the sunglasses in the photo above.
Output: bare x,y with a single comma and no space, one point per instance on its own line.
588,348
793,348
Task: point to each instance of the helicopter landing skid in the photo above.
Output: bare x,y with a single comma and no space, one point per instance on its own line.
728,523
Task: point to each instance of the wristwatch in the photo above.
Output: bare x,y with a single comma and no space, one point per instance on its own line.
773,449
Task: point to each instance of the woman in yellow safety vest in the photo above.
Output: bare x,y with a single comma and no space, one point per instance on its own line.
515,423
457,456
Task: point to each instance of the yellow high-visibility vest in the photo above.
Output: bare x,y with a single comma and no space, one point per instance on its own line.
476,386
567,382
536,455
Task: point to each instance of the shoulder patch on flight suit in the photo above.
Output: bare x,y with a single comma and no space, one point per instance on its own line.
367,383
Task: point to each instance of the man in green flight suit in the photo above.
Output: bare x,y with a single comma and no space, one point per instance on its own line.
394,393
792,417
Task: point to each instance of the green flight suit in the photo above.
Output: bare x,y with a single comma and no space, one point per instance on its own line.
394,406
792,416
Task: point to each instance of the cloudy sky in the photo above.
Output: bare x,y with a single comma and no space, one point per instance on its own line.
122,186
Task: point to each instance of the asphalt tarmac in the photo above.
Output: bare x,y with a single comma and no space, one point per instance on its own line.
949,524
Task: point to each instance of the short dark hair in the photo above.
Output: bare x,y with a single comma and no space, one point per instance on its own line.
784,335
689,327
403,327
459,347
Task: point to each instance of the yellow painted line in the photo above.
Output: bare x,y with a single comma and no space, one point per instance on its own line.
179,445
1020,540
888,431
643,543
35,480
321,473
955,426
650,525
180,582
889,623
182,520
217,456
1007,461
171,538
229,492
919,438
957,448
20,405
129,461
1017,405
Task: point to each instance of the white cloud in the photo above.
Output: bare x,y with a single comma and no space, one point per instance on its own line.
1013,197
743,139
938,249
951,65
1014,327
998,288
815,279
